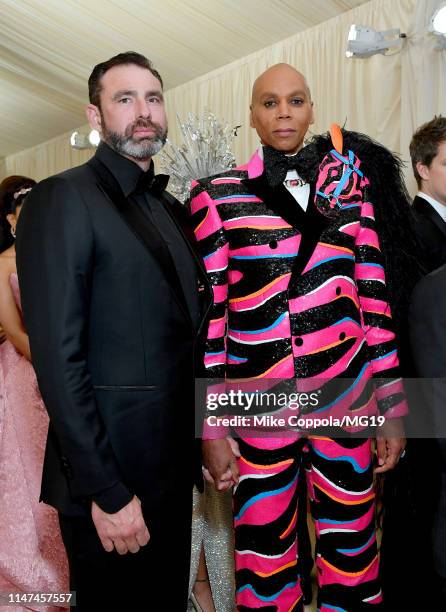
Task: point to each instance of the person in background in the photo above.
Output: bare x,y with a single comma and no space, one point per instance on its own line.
428,156
32,555
8,186
411,491
427,319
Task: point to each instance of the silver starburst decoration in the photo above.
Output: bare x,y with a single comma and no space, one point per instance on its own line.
205,150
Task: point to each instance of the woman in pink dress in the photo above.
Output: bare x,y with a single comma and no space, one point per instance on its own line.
32,556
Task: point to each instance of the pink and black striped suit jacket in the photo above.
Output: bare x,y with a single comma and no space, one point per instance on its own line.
278,316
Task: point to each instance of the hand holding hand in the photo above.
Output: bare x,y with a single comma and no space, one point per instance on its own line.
390,444
219,462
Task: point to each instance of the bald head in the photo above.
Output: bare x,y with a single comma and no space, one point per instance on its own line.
278,72
281,108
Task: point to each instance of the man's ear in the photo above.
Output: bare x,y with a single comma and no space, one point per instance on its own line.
94,117
423,171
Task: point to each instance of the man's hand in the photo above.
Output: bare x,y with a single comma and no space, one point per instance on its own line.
390,444
220,464
124,530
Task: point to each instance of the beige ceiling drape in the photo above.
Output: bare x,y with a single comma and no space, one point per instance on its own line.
385,97
48,48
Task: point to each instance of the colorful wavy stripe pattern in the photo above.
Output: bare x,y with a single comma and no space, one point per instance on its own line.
265,524
325,318
329,319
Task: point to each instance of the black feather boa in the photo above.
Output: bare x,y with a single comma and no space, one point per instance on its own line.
393,212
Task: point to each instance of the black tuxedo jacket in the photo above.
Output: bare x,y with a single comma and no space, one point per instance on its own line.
112,343
431,230
427,319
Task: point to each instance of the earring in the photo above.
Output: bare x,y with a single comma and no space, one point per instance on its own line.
13,231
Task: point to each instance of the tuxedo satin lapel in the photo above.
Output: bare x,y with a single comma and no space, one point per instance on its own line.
423,207
316,223
181,219
143,228
310,223
278,199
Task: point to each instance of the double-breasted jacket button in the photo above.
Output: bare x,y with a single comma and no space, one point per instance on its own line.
66,467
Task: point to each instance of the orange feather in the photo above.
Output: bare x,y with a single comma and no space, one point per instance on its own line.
336,137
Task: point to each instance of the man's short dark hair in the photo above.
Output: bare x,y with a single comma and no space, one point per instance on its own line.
122,59
425,142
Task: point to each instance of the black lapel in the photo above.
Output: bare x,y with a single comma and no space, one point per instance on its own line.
423,207
278,199
315,223
143,229
182,220
309,223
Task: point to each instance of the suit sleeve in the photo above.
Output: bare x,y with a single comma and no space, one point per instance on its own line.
376,317
55,259
427,321
214,249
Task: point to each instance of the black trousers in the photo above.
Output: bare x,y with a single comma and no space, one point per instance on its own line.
410,502
155,578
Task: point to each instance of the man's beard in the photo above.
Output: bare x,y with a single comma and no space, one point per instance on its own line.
140,148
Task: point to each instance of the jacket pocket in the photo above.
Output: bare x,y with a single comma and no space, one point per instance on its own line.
124,387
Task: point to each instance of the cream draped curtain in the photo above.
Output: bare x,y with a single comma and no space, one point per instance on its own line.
48,158
385,97
423,79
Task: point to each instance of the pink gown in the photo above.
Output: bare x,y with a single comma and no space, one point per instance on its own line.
32,556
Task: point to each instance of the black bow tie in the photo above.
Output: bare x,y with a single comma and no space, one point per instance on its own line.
148,182
277,164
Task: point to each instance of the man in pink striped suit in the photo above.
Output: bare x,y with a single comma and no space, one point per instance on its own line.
291,244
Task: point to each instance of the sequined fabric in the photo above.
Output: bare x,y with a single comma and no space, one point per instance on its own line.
212,528
283,311
300,296
32,556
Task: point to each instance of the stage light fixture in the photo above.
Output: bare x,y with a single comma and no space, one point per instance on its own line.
364,41
437,25
79,141
82,141
94,138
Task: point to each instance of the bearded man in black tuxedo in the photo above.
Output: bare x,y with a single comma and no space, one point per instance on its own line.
109,281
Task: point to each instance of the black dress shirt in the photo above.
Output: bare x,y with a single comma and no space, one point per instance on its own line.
138,186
